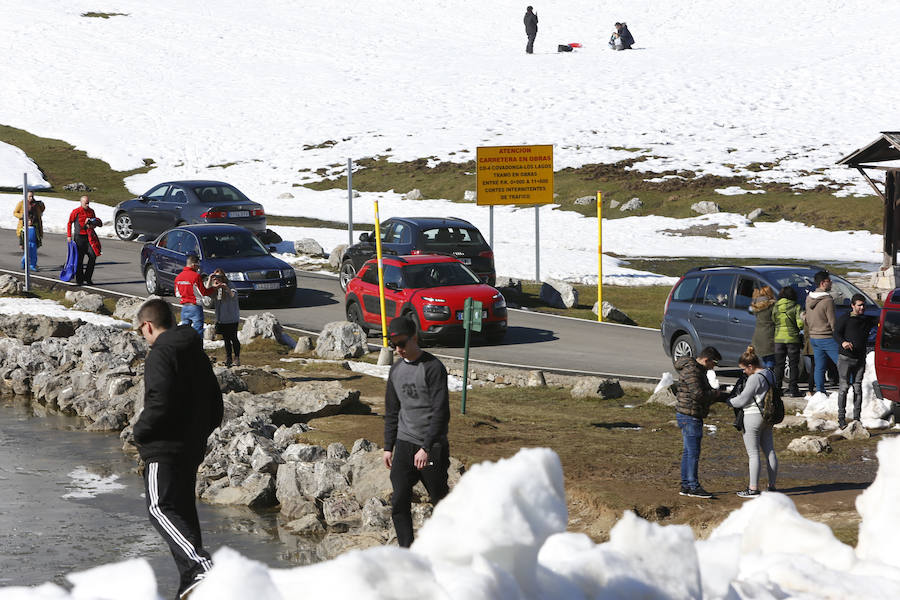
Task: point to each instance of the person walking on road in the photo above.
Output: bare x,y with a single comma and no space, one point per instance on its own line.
189,289
757,434
182,407
788,320
695,396
416,419
531,28
821,322
228,315
36,210
764,331
77,229
852,334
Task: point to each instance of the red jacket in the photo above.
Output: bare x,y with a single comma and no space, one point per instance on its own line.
188,285
93,240
81,215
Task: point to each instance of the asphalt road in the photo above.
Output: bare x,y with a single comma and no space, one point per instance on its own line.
533,340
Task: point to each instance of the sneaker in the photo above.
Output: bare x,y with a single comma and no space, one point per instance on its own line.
227,362
748,493
237,361
198,579
842,423
697,492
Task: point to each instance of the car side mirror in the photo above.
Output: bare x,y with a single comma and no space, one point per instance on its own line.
364,237
143,198
272,249
391,285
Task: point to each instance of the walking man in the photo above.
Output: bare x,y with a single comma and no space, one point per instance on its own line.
189,288
820,321
417,413
852,333
531,22
78,227
695,395
182,407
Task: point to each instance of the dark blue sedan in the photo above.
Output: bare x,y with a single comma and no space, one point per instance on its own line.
177,203
251,269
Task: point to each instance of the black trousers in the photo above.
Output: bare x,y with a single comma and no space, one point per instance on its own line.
851,371
229,334
791,352
84,250
404,475
529,48
172,507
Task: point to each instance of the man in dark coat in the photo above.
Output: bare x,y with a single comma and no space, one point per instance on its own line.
531,21
852,334
182,407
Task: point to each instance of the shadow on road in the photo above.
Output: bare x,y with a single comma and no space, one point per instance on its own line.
514,336
306,297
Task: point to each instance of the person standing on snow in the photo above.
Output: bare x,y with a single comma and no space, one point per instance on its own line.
531,27
189,288
182,407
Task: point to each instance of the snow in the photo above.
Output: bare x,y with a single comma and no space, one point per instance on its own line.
51,308
85,484
765,549
14,163
874,408
737,191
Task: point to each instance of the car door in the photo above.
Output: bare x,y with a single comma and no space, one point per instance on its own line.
710,312
393,296
169,209
741,322
399,241
145,215
171,258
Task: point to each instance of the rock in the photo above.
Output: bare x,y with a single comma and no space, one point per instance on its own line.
791,421
266,326
536,379
285,196
308,246
614,204
77,187
413,194
470,196
595,387
507,284
296,507
855,431
376,514
306,525
10,285
809,444
285,436
341,339
31,328
127,309
337,451
337,255
304,344
91,303
558,294
229,380
706,207
336,544
298,403
585,200
367,475
363,445
341,509
255,491
321,478
665,396
633,204
611,314
354,194
269,237
755,214
303,453
264,460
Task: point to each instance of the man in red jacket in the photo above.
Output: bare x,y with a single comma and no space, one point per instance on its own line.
79,218
189,288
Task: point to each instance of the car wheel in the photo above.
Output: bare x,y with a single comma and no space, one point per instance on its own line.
683,346
354,315
151,279
348,272
124,227
423,341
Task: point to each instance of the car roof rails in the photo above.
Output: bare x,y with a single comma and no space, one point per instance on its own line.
710,267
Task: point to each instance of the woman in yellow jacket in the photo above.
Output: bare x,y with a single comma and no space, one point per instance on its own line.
35,211
788,341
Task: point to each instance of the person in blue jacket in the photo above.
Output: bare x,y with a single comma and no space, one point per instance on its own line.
32,246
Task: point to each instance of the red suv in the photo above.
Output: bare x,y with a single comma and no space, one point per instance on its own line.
887,352
431,290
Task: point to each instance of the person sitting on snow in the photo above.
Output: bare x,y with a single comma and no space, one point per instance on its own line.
621,38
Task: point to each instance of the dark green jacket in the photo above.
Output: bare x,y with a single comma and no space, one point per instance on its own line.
695,395
788,322
764,334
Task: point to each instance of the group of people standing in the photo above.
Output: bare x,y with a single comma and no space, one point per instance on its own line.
621,38
782,330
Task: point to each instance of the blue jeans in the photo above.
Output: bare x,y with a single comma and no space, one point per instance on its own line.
192,314
768,361
691,434
827,347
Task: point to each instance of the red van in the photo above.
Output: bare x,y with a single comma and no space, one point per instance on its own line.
887,352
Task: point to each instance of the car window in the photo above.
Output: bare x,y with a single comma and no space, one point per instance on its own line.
157,193
370,275
441,237
842,291
890,332
231,244
717,289
743,297
190,245
686,290
163,241
438,275
174,241
401,234
177,195
393,275
219,194
386,229
803,282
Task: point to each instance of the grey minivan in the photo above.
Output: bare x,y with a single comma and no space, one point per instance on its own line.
709,306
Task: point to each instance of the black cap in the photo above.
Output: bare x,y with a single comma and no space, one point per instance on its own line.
401,326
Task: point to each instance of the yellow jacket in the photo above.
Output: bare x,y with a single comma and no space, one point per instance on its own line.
19,213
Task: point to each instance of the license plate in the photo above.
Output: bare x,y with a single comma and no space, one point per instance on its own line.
239,213
266,286
459,315
466,261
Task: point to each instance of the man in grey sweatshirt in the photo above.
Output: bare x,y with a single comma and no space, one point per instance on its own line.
416,418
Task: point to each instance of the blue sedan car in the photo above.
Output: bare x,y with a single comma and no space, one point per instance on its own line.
251,269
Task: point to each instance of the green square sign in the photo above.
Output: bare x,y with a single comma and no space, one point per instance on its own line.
472,314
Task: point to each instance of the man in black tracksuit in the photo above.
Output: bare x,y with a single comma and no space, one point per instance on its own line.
852,334
531,22
182,407
416,416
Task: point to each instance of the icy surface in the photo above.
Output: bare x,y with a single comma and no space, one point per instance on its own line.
85,484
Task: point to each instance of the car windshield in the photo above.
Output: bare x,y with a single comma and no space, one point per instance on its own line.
438,275
219,194
231,244
802,281
441,237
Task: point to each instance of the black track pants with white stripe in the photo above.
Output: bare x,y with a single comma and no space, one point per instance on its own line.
173,511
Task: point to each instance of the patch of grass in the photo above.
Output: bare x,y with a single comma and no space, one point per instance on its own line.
311,222
62,164
103,15
644,304
676,267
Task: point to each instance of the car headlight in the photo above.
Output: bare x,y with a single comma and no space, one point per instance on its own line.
236,276
435,312
288,273
499,302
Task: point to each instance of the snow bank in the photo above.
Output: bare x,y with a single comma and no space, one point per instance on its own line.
13,164
51,308
873,408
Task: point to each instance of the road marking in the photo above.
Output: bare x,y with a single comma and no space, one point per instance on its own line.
543,314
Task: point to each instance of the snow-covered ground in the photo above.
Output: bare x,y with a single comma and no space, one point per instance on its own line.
51,308
14,164
763,550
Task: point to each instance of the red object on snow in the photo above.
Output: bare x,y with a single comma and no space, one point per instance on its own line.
575,44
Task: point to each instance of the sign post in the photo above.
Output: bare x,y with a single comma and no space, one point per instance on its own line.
25,231
518,175
350,202
471,322
600,257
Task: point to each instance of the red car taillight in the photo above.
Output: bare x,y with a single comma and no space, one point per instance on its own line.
415,251
257,212
487,254
215,214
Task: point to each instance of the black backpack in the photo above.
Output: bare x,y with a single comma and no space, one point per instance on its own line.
772,408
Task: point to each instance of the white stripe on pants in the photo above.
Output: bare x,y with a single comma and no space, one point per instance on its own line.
174,534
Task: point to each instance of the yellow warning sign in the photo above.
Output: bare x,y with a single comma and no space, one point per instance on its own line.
515,175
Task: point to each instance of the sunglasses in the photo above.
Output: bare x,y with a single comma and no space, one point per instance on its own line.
397,343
